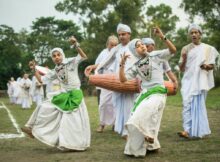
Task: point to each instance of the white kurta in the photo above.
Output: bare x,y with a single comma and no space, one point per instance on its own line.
64,130
26,97
106,108
195,85
123,102
10,91
37,91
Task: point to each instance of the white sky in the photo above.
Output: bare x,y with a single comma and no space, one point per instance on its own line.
19,14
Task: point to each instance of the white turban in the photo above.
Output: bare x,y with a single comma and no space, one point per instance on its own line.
124,28
148,41
59,50
194,26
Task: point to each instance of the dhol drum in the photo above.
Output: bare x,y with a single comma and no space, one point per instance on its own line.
170,87
111,82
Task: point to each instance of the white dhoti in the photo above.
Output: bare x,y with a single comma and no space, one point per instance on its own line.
60,129
123,102
106,109
145,122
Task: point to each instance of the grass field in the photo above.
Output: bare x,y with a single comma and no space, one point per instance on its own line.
109,146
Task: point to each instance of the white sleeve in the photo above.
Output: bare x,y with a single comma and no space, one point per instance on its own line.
213,55
100,57
50,76
166,66
164,54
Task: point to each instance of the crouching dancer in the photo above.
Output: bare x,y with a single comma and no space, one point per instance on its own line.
62,120
144,122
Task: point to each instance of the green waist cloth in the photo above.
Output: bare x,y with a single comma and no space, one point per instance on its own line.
155,90
68,101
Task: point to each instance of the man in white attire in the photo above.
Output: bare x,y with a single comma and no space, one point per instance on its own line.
37,91
25,84
106,108
123,102
197,62
62,120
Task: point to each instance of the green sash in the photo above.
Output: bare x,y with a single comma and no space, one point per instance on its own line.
68,101
154,90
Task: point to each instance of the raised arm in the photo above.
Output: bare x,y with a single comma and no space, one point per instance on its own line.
32,65
74,42
169,44
122,76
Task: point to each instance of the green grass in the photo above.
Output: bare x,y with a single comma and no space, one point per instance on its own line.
109,146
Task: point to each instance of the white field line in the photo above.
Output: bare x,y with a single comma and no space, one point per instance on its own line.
6,135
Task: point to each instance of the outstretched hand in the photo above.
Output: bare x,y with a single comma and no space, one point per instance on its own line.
89,70
158,32
32,64
124,57
72,40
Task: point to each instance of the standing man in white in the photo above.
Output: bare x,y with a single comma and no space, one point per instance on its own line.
25,84
197,62
106,108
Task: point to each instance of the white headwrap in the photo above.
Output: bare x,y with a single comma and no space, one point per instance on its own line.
59,50
123,27
148,41
194,26
132,47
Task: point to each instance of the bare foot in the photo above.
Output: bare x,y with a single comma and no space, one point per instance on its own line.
149,139
100,129
183,134
28,131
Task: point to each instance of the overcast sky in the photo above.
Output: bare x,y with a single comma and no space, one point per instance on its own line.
19,14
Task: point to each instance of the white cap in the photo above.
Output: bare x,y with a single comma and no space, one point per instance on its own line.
123,27
148,41
195,26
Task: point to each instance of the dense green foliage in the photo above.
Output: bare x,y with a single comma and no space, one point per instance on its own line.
98,20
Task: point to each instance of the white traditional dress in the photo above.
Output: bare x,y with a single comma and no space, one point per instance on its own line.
195,85
25,84
164,65
123,102
10,91
37,91
58,126
147,112
106,108
18,91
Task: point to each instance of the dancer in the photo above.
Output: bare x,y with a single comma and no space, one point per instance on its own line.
144,122
62,120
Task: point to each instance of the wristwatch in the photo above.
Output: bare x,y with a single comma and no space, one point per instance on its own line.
164,38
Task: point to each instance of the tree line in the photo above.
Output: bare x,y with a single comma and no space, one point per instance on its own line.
99,19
